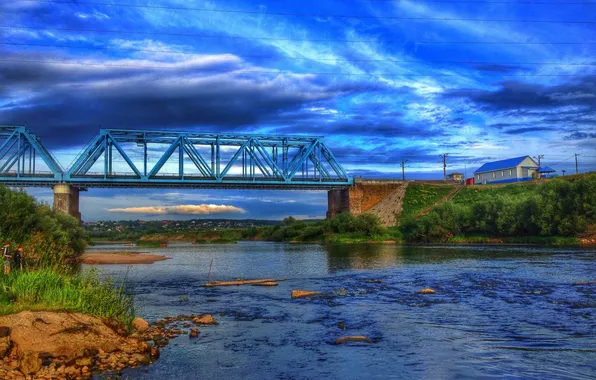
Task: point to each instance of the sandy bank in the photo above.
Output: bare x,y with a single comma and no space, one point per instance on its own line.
120,258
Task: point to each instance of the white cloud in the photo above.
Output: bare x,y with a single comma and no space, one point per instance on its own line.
202,209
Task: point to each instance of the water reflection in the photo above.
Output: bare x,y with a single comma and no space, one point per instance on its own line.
363,256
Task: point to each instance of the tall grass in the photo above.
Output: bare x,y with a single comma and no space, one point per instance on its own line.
46,289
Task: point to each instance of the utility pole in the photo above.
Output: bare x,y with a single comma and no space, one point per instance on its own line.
563,170
539,157
576,167
444,157
403,172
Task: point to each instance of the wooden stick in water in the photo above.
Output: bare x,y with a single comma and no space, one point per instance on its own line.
209,275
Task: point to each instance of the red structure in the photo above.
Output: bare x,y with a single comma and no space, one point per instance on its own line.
470,181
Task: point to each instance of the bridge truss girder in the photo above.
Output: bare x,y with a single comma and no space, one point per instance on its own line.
22,154
207,160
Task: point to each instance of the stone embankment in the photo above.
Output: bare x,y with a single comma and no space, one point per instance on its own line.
51,345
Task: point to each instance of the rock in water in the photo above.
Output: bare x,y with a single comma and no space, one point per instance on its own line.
427,291
206,319
140,325
155,352
304,293
354,338
193,333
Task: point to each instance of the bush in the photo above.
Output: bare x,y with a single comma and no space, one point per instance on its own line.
364,226
556,208
49,239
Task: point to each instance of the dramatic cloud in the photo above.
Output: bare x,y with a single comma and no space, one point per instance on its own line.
404,80
515,94
203,209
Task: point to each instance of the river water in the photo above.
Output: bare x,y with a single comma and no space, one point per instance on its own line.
498,312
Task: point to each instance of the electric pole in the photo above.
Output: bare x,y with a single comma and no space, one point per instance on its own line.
403,172
539,157
576,167
563,170
444,157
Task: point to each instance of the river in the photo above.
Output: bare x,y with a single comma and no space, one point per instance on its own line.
498,311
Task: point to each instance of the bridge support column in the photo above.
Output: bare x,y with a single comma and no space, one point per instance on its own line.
66,199
382,198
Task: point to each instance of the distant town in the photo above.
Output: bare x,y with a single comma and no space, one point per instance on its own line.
124,227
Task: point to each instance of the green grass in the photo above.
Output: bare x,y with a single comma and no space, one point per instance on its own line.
537,240
148,244
472,194
85,292
421,196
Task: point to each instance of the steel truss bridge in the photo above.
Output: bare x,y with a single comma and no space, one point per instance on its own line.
145,158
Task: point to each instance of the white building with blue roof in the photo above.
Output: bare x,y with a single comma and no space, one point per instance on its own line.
511,170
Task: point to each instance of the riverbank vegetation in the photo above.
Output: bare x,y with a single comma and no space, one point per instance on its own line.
343,228
49,239
212,236
557,209
49,278
47,289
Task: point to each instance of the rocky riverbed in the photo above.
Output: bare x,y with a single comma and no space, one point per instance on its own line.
52,345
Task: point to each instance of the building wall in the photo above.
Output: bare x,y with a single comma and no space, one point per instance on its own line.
510,174
522,172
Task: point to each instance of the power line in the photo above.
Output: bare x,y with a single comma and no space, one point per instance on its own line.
568,158
223,36
296,58
292,14
257,71
493,2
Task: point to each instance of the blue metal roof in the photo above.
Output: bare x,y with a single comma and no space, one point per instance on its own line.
503,164
545,169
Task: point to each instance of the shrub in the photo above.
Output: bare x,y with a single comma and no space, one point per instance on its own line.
555,208
49,239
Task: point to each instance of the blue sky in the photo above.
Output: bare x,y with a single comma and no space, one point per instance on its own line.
381,79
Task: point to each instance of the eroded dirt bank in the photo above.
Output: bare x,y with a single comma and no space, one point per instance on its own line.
63,345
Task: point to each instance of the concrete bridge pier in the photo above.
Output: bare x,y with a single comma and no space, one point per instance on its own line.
66,199
383,198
